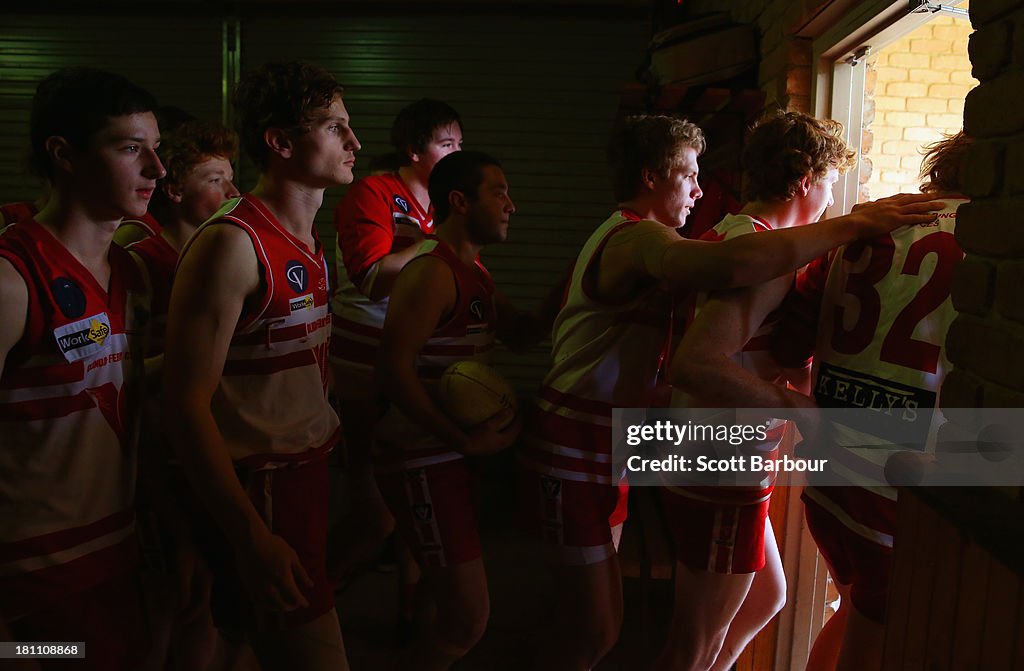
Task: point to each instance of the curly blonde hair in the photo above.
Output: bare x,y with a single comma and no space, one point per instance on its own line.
940,169
651,141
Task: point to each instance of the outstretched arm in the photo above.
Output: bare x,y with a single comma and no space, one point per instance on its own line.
688,265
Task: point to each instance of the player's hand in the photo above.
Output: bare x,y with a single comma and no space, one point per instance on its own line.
272,573
493,435
194,581
885,215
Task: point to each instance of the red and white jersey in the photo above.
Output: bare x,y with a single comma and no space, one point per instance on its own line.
604,356
881,340
160,259
367,221
69,400
12,213
756,357
468,334
271,404
146,222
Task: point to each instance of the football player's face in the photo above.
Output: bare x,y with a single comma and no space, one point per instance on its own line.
488,215
327,152
204,189
445,140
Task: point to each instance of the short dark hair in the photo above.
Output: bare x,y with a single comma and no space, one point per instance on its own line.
784,147
651,141
280,95
75,103
461,171
415,124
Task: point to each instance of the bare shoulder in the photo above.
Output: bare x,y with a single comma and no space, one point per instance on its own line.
13,307
221,254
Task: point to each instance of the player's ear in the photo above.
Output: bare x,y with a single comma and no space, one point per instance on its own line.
278,141
173,191
805,185
458,201
60,152
648,178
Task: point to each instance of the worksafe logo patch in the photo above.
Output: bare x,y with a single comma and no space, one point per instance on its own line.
84,338
301,303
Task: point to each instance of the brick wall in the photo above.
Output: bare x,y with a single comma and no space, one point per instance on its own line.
986,342
915,91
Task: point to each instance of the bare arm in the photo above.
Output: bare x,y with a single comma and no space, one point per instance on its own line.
216,275
13,309
688,265
519,330
389,266
703,366
412,316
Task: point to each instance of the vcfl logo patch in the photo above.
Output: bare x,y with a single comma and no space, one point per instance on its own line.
476,309
402,204
297,276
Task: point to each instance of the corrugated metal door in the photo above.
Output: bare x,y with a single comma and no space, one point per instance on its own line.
178,60
538,92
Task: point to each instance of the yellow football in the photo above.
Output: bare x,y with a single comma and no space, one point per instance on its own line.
472,392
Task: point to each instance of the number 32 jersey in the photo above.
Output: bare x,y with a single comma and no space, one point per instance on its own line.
883,316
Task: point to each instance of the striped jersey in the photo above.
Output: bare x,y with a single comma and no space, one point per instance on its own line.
468,334
604,356
271,403
69,400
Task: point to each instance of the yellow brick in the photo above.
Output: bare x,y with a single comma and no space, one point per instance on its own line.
922,135
929,76
910,162
946,122
901,177
886,75
900,147
927,105
948,62
881,60
962,77
883,133
886,161
931,46
890,103
909,89
952,32
956,106
905,119
949,91
910,61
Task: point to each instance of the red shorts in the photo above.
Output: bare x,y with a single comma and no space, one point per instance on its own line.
573,518
721,538
293,502
108,618
434,512
854,559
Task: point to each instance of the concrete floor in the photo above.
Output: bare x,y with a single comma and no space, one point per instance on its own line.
520,596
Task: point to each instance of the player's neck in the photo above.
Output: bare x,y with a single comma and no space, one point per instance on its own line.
86,236
294,205
777,214
641,207
456,238
417,185
177,232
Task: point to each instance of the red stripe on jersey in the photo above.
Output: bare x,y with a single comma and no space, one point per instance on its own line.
269,365
558,398
46,408
66,538
268,336
24,378
343,324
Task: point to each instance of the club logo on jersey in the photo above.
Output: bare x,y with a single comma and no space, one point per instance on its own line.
84,338
476,309
550,486
402,204
297,276
69,297
424,512
301,303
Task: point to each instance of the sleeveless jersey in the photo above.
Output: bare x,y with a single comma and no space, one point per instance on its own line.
271,404
69,398
468,334
604,356
367,220
881,341
146,222
12,213
160,259
755,357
